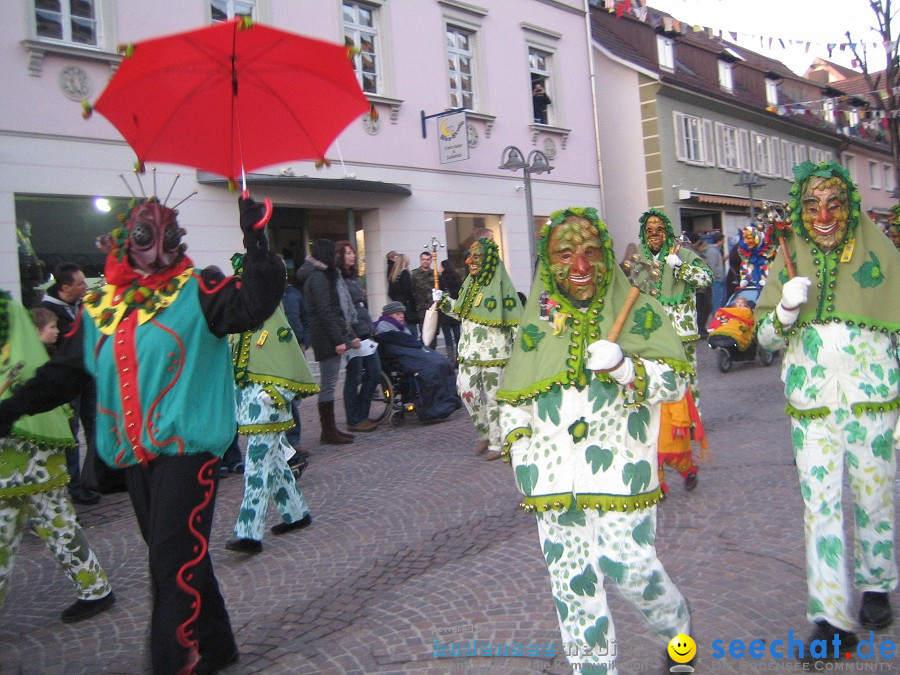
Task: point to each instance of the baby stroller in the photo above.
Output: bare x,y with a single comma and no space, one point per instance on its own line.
732,333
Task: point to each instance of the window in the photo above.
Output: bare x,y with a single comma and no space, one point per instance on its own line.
461,67
887,172
726,76
665,52
765,154
728,146
853,117
816,155
849,162
874,175
361,29
225,10
771,91
792,154
539,65
828,110
694,140
67,21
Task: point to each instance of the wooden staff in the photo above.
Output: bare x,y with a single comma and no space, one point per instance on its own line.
630,299
788,263
11,377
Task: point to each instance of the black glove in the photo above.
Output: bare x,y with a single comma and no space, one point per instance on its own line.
251,214
7,419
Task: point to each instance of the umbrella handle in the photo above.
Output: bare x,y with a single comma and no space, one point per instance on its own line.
267,214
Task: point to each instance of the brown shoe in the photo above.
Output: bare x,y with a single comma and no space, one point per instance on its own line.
364,426
481,447
492,455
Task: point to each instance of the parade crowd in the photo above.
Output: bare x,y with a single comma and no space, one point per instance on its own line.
586,385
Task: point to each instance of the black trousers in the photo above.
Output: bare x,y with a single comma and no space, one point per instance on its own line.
173,499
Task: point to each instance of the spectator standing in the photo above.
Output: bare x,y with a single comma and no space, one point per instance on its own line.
400,289
362,373
32,478
422,285
715,259
330,332
63,298
450,284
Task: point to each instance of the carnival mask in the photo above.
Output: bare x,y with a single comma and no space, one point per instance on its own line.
655,233
576,259
826,211
751,237
154,237
475,259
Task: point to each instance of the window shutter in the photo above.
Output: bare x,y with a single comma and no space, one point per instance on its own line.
720,144
744,163
680,149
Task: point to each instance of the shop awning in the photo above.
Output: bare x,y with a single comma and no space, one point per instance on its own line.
722,200
308,183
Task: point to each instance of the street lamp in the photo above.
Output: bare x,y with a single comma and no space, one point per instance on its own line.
750,180
513,160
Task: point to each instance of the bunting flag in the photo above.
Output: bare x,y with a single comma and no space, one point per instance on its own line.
639,10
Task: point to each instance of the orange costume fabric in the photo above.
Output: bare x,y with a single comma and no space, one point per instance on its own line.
734,322
674,447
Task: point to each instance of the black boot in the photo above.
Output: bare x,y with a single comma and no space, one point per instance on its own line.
330,434
825,632
875,612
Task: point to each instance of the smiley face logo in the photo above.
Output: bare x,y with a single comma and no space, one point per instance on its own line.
682,648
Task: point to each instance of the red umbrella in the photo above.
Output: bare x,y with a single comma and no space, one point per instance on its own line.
232,97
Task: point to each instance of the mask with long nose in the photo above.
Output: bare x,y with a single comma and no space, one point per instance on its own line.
153,237
576,258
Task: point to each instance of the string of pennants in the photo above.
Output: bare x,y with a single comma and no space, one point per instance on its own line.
638,9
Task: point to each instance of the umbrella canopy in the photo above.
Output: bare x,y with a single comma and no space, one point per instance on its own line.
232,97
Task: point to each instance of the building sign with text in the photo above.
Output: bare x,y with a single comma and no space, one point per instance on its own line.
452,137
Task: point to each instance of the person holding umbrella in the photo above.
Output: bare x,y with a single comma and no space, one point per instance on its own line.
580,403
155,340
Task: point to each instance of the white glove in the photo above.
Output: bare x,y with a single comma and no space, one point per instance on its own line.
264,397
603,355
673,261
794,293
437,295
607,356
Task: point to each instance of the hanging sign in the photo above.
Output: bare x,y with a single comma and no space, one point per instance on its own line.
453,143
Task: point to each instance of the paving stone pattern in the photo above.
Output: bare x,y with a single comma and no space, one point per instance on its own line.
417,547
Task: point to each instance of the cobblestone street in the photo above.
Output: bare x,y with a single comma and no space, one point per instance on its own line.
417,548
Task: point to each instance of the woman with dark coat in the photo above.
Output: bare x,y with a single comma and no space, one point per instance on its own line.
361,374
330,332
400,288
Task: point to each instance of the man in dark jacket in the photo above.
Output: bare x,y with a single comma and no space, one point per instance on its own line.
330,332
63,298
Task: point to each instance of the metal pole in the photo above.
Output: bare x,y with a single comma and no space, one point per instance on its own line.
530,216
750,188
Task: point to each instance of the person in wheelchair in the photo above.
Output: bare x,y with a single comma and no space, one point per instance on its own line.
433,373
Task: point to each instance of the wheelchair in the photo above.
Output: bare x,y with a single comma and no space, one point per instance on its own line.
396,394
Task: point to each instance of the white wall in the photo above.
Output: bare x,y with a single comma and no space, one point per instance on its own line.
621,149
